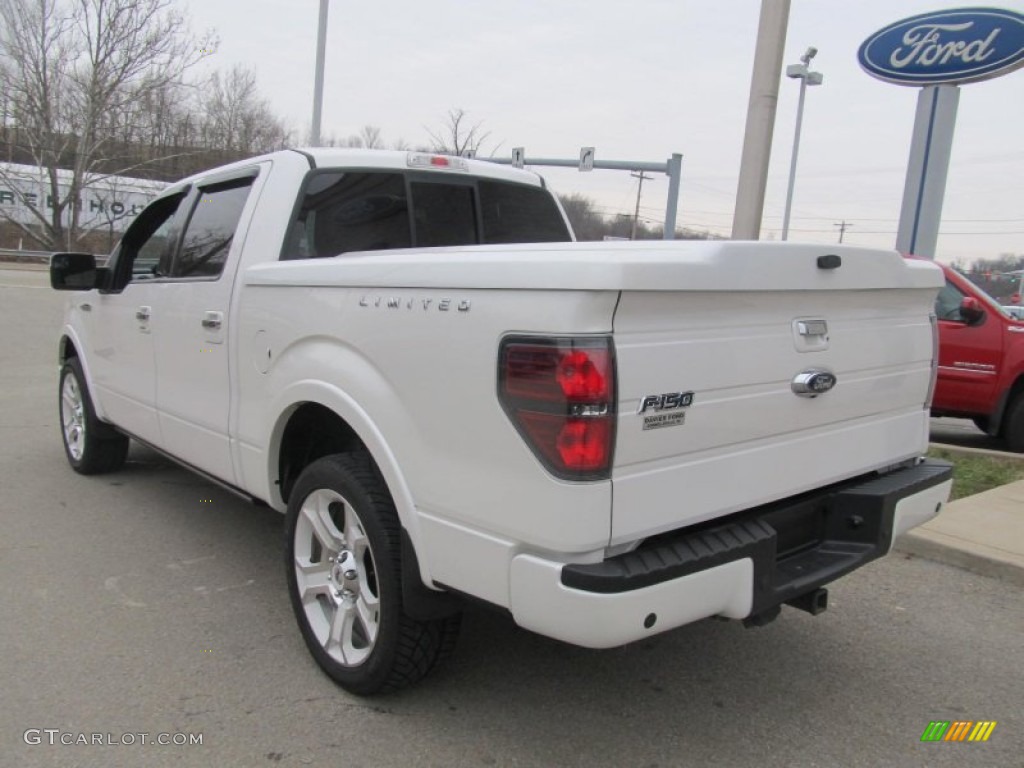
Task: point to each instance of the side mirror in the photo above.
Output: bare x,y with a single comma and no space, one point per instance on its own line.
971,310
75,272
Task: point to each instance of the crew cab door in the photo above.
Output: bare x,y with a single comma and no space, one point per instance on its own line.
192,353
970,354
121,346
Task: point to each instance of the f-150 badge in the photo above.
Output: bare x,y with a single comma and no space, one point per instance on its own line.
665,410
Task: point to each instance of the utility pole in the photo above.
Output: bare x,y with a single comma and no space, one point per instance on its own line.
843,226
639,188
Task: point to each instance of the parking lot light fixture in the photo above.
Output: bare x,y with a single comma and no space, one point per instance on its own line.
802,73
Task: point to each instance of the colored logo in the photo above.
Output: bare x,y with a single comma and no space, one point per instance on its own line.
958,46
958,730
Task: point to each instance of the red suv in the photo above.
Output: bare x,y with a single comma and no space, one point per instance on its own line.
981,361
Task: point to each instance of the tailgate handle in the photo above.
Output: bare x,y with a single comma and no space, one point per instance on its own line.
830,261
812,327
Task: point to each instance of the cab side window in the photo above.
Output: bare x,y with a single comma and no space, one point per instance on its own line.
211,229
947,303
146,249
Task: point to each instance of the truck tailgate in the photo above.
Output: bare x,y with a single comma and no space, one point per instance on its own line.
735,327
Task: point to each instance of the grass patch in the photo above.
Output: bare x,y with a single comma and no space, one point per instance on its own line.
975,473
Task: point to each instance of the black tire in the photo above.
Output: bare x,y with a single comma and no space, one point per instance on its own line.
92,446
363,532
1013,427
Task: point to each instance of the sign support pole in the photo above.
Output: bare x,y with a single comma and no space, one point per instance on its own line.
930,150
673,168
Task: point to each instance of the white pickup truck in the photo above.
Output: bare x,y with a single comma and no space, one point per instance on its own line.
449,398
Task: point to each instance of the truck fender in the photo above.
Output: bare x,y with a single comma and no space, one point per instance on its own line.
995,420
69,334
347,409
995,424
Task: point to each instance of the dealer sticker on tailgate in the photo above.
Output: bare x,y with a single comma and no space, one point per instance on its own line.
659,420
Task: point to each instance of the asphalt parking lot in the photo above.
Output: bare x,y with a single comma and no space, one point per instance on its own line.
151,601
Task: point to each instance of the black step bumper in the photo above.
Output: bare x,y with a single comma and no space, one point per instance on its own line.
796,545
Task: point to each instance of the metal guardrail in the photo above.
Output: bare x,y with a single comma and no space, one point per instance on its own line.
25,257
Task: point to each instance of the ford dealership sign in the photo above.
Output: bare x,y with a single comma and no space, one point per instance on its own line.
955,46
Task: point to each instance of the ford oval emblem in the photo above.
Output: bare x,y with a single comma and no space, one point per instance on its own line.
955,46
813,382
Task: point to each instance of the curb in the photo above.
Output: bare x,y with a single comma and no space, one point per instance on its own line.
925,545
977,451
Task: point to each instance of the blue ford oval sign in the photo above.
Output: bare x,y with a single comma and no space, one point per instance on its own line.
956,46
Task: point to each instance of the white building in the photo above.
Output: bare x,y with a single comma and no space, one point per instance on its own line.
107,205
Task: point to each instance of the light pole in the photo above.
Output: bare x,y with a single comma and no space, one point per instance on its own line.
318,83
798,71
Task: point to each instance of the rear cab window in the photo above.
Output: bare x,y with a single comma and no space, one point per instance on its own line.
512,210
350,211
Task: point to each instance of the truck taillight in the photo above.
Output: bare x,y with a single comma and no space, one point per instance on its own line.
560,395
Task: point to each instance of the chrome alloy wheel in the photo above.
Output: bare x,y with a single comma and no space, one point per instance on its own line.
336,577
72,415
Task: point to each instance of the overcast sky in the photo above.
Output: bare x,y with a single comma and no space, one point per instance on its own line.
640,81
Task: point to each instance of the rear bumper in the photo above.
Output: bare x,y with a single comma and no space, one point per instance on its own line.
742,565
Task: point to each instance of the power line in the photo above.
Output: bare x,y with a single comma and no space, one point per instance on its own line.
843,226
893,232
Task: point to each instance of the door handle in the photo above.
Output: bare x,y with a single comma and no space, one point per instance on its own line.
86,307
212,320
142,314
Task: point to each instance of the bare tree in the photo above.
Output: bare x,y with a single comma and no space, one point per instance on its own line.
590,224
74,71
235,118
34,70
457,136
369,137
112,210
586,222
